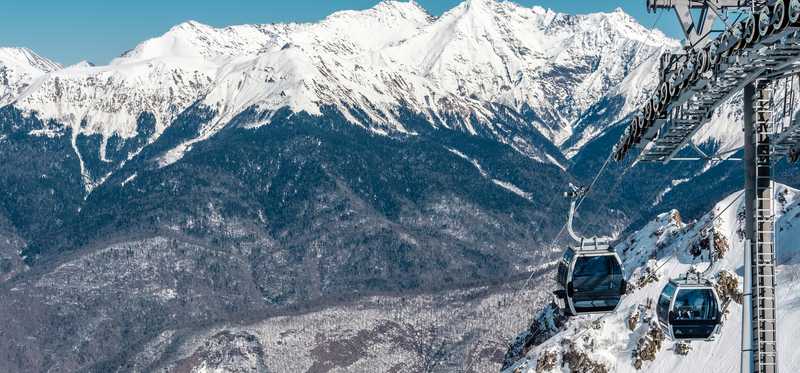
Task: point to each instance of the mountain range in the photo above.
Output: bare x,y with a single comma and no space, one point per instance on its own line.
478,62
378,162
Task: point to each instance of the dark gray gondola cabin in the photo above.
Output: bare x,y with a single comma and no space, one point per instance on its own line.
591,280
689,309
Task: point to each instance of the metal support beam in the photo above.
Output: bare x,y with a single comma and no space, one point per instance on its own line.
696,32
788,142
655,4
750,192
575,195
759,321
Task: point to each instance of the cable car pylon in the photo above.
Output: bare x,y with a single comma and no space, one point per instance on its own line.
759,324
751,54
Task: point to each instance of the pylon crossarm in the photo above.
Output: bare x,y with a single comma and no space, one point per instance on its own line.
694,82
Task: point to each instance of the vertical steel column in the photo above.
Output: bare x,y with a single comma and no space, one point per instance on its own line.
750,193
760,231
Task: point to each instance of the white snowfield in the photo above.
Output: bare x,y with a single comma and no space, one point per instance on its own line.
18,67
669,239
455,70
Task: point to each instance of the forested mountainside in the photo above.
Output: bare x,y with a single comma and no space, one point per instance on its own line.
286,174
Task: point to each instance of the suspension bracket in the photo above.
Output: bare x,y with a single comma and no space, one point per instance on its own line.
697,32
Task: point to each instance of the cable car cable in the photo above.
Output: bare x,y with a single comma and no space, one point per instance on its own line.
711,224
716,217
552,244
588,190
653,26
594,181
584,194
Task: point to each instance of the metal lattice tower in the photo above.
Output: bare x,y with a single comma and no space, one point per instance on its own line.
760,229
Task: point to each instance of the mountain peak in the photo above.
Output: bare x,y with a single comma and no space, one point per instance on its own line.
18,68
620,14
479,5
479,54
82,65
410,5
386,9
480,2
192,39
540,10
190,25
26,58
620,20
471,3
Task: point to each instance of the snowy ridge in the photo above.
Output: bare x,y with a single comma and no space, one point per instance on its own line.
609,341
18,68
634,89
108,100
458,71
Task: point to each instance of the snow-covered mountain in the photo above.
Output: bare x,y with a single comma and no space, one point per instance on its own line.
18,68
258,196
622,340
540,70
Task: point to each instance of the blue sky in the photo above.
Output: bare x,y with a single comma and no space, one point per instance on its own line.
69,31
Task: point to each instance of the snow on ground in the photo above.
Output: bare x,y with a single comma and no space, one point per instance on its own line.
664,245
129,179
471,160
503,184
513,189
555,162
18,68
666,190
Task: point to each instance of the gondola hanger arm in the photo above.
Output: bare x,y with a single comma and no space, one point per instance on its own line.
575,194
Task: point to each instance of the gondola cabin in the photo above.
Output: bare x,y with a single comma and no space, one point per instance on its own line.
591,280
689,309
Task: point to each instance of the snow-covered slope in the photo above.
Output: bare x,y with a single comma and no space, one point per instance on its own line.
607,340
457,71
556,64
108,100
722,130
18,67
